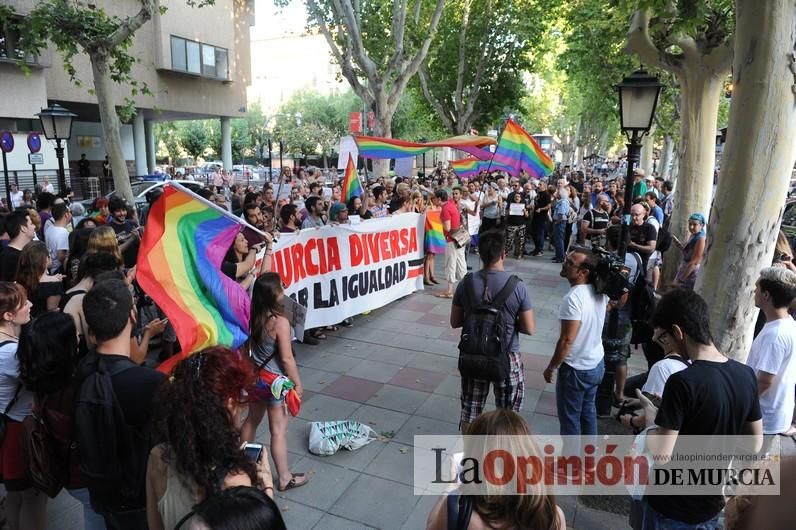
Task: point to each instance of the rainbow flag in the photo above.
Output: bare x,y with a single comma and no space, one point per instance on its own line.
352,187
434,238
470,167
381,148
517,150
179,266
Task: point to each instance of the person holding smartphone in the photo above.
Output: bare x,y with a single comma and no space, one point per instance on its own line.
202,452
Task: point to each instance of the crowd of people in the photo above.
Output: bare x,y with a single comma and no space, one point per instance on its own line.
75,324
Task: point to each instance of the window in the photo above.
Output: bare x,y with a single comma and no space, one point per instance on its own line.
9,39
198,58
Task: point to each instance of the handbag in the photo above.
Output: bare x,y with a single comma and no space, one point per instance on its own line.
4,418
460,236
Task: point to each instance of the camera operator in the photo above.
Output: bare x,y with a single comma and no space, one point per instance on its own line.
617,349
579,351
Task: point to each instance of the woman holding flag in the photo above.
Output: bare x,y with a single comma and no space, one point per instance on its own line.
271,352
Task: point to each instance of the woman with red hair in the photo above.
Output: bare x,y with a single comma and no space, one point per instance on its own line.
199,427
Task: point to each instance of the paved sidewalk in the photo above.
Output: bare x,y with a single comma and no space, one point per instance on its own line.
396,370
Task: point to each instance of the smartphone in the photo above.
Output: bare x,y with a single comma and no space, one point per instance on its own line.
253,451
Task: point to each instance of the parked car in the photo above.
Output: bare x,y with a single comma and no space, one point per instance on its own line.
209,167
141,187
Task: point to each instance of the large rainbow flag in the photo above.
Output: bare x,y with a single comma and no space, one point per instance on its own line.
434,237
352,187
381,148
517,150
179,266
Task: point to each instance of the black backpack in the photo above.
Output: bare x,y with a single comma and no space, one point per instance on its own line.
664,240
642,304
111,458
483,352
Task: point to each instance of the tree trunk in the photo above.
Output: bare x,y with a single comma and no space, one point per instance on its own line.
667,154
699,95
757,164
647,151
674,172
579,154
103,86
382,126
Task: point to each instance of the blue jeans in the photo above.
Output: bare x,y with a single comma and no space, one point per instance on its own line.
576,391
559,229
538,235
91,519
655,521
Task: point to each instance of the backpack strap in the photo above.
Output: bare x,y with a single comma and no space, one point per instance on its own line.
485,295
642,273
507,290
184,519
116,368
678,358
460,510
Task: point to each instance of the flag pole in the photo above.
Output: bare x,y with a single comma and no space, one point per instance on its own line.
216,207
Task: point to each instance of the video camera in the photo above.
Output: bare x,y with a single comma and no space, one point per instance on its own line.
611,276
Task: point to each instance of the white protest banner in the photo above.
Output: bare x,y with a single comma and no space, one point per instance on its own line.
342,270
404,166
348,146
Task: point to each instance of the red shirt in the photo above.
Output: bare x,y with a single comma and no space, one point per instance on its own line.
450,212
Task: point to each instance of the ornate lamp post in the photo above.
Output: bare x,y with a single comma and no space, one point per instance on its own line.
638,97
56,122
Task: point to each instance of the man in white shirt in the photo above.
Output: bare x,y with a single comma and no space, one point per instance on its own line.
57,236
579,351
46,186
773,353
16,197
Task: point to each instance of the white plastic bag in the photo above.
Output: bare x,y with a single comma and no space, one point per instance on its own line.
327,437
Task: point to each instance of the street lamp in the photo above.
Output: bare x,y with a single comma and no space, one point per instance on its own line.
56,122
423,141
638,97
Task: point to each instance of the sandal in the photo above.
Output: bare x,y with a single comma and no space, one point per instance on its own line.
331,328
292,483
444,295
309,339
318,334
434,281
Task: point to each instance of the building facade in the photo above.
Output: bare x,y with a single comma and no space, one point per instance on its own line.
196,61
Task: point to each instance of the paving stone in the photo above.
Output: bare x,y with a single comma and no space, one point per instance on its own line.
377,502
394,462
434,362
417,425
547,404
332,522
327,483
326,408
544,424
451,386
314,379
379,419
443,347
417,379
297,516
374,371
443,408
351,388
398,398
417,519
387,354
534,380
330,362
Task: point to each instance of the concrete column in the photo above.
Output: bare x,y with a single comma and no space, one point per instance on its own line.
139,143
226,143
151,150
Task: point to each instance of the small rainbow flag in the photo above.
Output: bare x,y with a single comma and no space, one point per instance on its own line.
179,266
517,150
352,187
434,239
470,167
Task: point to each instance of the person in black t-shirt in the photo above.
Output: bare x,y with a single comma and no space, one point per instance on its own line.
642,235
541,208
110,315
596,221
713,396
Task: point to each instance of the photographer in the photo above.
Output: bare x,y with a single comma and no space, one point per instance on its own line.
617,348
579,351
